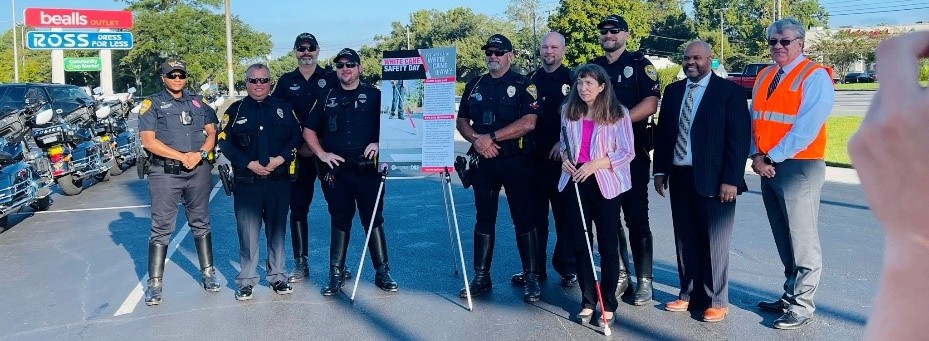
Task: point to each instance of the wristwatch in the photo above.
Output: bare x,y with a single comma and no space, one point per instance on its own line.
493,136
204,154
768,160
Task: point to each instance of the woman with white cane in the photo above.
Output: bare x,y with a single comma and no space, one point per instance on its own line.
596,140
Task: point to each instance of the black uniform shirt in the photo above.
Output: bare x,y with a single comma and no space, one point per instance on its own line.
493,103
553,88
166,116
259,131
303,93
634,79
346,121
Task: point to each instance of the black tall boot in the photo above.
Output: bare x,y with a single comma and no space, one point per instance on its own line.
156,268
527,244
378,248
298,240
338,244
642,257
483,255
622,284
204,246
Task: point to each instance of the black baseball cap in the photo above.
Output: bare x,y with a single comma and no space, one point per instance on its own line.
173,64
348,53
305,38
614,20
499,41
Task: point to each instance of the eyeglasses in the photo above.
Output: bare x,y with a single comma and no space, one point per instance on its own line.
258,80
613,30
346,64
305,48
176,75
784,42
498,53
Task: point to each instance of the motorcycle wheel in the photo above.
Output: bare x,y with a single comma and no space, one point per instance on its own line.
101,177
115,167
43,204
69,186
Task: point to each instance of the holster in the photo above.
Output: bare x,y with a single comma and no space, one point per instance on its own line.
225,175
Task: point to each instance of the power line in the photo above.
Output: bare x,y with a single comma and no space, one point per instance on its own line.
872,3
873,12
872,9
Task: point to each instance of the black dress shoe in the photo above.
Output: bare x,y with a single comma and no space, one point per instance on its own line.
520,277
281,287
778,306
569,280
244,293
791,320
383,280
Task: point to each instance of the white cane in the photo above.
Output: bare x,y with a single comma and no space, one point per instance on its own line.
377,201
464,273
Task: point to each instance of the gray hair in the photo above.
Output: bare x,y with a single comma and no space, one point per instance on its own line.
257,66
786,24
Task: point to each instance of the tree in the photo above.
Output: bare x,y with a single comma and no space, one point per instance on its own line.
577,20
668,36
34,65
529,26
840,49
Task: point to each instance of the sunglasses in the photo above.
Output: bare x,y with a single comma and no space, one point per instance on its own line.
346,64
498,53
614,30
176,75
305,48
258,80
784,42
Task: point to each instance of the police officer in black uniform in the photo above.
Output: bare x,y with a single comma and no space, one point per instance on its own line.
554,82
178,129
497,111
342,130
260,137
301,88
636,86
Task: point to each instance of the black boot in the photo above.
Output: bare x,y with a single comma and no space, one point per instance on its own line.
378,248
527,244
204,246
298,240
642,257
622,284
338,244
483,255
156,268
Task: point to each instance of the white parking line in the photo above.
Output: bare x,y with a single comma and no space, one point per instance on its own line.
85,209
135,296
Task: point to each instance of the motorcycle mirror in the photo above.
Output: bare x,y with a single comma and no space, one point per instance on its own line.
131,90
219,101
205,86
136,109
103,112
44,116
98,90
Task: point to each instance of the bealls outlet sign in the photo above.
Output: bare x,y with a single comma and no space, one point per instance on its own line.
77,18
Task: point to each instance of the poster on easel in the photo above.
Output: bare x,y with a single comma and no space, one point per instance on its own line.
418,111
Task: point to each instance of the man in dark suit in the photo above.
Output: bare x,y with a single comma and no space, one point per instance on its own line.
701,148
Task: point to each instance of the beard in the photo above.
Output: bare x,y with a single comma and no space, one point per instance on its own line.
494,66
306,60
611,45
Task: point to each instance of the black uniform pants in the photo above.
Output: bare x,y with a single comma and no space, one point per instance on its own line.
301,190
167,189
266,201
514,174
352,189
635,200
602,212
545,193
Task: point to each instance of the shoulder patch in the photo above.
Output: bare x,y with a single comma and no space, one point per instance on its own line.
223,121
532,91
146,104
651,72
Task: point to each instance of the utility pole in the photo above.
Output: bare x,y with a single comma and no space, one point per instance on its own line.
408,47
535,35
229,77
722,38
15,47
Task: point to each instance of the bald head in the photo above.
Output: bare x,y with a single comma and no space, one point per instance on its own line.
552,50
697,57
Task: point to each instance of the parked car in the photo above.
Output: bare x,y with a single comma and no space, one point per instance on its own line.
746,78
873,75
63,98
858,77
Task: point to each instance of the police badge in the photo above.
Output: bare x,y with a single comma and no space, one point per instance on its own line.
564,89
511,91
280,113
627,72
363,98
321,83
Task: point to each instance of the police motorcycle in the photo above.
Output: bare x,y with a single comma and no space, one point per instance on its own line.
68,138
25,175
113,130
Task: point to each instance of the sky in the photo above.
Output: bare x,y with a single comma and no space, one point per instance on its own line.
338,24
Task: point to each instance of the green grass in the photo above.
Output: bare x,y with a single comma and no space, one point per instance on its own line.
838,130
856,86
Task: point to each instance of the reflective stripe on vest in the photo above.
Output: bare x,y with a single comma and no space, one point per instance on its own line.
775,117
767,71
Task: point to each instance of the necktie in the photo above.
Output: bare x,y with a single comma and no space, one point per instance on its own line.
680,148
777,79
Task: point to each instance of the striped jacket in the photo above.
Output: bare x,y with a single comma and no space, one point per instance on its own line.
614,141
